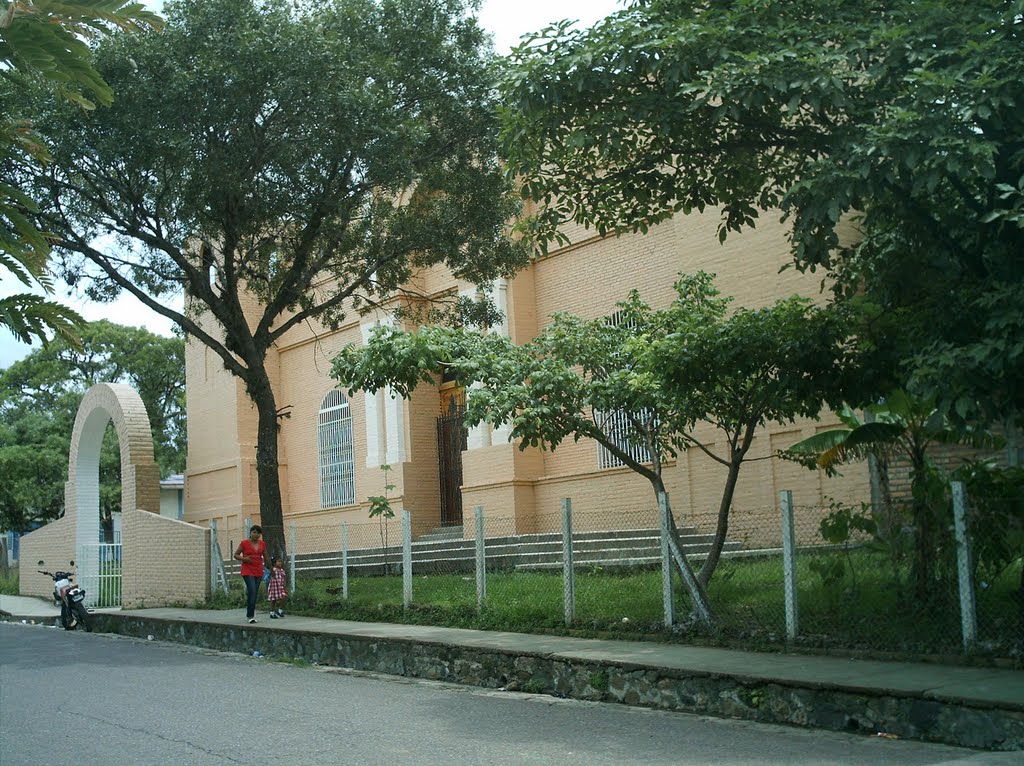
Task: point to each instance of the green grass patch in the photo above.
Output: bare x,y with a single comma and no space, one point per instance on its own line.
861,610
9,582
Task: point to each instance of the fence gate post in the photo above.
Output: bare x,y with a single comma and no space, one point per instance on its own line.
568,574
664,509
344,561
964,567
481,560
291,558
789,563
406,559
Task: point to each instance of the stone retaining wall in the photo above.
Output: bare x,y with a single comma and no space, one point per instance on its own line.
908,717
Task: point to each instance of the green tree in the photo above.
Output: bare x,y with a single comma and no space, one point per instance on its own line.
45,40
308,155
39,399
897,119
641,385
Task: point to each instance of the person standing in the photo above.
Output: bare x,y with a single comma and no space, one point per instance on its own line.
253,555
276,590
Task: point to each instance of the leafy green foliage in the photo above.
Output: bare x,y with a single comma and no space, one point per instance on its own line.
27,316
309,155
380,509
39,399
45,40
380,505
49,38
996,501
887,133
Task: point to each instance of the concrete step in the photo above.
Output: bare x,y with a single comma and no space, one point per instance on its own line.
620,558
441,533
507,557
453,553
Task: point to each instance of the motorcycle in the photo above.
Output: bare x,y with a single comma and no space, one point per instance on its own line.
71,599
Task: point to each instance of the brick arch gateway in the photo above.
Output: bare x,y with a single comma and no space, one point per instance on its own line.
162,561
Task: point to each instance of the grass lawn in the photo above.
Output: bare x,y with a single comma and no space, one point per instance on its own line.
865,612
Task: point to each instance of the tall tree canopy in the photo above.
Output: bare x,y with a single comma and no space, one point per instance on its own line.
308,154
901,118
45,40
39,399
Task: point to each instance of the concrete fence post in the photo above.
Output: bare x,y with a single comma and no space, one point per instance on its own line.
291,557
789,563
481,559
668,606
568,573
213,556
344,561
964,567
406,559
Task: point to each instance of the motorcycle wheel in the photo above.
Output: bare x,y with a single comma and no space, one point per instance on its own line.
83,616
66,620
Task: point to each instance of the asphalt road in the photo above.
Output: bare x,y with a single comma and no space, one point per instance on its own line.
76,698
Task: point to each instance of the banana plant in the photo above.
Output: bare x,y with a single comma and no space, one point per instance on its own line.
903,425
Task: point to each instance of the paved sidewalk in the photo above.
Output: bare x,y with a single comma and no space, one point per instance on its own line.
27,607
31,608
979,687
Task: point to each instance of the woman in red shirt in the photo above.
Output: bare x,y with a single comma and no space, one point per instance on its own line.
253,555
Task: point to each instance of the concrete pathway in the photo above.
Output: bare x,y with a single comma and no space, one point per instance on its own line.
979,687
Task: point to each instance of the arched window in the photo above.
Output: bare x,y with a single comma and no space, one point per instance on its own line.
337,461
621,426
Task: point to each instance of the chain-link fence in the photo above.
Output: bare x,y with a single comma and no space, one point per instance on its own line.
850,579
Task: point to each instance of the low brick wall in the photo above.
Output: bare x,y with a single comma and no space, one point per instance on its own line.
820,707
54,544
166,561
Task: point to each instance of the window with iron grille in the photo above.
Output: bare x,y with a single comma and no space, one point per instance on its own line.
337,459
617,427
616,424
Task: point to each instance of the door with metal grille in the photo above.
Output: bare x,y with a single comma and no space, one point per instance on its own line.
451,440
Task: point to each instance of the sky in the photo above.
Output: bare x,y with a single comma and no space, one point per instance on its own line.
507,20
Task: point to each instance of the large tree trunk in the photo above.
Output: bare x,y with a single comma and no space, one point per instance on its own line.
271,509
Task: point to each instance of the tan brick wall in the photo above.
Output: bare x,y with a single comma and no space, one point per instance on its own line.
166,561
304,381
54,544
210,390
586,278
222,431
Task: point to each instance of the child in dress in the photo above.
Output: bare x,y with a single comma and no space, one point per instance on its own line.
276,591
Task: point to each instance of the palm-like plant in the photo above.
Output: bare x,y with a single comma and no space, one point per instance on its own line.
904,425
47,40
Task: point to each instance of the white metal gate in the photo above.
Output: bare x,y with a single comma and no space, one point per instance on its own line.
99,572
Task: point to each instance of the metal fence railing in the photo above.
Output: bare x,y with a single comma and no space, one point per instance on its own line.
99,573
824,577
